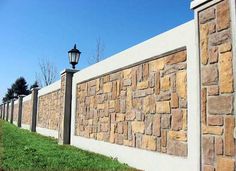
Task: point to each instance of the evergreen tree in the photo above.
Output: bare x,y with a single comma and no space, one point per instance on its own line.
20,87
35,85
9,95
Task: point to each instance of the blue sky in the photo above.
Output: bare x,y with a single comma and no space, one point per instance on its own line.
34,29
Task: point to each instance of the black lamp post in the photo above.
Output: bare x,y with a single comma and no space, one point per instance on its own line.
74,55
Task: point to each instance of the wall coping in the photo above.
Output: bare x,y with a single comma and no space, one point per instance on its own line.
26,98
196,3
69,71
50,88
165,42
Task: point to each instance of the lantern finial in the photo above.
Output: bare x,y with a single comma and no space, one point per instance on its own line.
75,46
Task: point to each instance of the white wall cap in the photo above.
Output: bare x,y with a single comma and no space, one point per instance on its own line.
69,71
26,98
158,45
50,88
196,3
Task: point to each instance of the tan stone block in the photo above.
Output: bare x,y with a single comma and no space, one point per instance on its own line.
212,27
219,145
107,87
177,58
149,142
120,117
92,102
163,138
112,104
157,83
229,136
112,134
208,168
181,84
226,72
125,130
203,105
104,119
174,100
142,85
100,106
215,120
215,130
100,136
226,47
130,116
114,90
220,104
152,104
165,83
118,88
185,119
163,107
213,90
106,78
113,117
207,15
223,15
165,121
129,99
139,73
225,164
128,143
90,121
208,150
127,73
210,75
146,108
177,148
157,65
177,120
220,37
134,79
156,125
145,71
177,135
204,31
120,128
213,55
138,127
127,82
104,127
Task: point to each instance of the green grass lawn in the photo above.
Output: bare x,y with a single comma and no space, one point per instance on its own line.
21,149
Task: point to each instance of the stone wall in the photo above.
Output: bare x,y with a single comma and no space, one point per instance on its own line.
144,106
5,110
49,110
26,112
15,112
218,121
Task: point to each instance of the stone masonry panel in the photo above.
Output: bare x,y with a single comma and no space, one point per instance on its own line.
26,112
15,112
218,121
49,110
144,106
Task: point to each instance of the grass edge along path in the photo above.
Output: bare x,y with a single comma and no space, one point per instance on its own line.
23,150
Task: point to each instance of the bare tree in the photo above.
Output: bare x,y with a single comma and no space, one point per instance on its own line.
98,56
48,73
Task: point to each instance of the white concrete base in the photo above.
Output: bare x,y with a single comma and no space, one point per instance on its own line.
137,158
25,126
47,132
15,123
